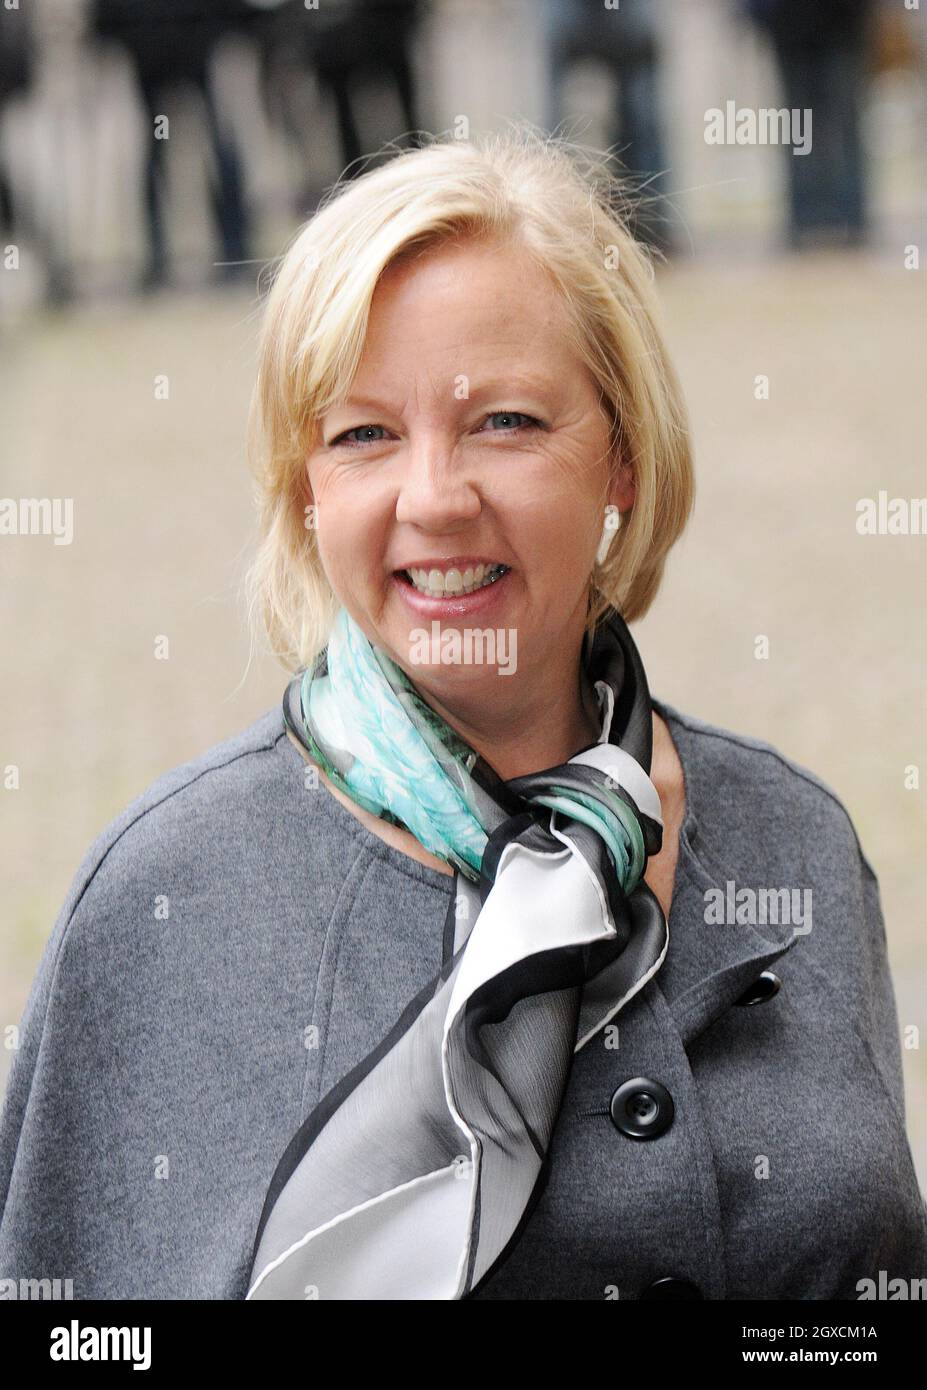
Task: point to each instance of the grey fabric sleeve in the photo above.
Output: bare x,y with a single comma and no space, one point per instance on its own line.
32,1041
879,1011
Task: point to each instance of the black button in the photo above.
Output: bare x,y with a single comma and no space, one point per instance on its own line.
642,1109
672,1288
762,988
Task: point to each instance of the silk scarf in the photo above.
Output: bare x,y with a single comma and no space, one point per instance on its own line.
414,1175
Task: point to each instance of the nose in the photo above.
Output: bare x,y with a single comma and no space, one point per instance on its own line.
437,489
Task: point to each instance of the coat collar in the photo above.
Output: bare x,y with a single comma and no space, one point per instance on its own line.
709,965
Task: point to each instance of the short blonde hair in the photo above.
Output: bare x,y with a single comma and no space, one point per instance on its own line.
565,206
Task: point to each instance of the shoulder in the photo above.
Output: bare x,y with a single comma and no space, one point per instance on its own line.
217,844
212,796
200,831
760,792
709,746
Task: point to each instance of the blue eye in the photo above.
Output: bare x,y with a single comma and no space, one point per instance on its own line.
513,415
358,429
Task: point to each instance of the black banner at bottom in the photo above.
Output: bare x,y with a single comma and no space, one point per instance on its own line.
167,1337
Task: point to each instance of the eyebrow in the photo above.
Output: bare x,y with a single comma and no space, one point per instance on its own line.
542,385
517,382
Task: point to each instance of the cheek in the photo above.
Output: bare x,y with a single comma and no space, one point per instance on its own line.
339,547
349,530
557,527
330,517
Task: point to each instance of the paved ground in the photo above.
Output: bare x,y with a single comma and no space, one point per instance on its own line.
163,523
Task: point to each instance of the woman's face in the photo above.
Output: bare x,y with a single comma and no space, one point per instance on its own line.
472,435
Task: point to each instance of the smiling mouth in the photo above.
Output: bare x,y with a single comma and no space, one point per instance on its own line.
455,583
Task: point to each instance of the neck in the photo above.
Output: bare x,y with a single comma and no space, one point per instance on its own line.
529,734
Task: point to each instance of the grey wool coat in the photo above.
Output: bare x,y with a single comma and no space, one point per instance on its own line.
235,942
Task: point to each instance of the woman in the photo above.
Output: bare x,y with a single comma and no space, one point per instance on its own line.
434,982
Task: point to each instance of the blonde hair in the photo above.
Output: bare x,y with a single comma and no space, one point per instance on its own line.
565,206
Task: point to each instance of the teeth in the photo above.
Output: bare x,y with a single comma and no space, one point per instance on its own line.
436,584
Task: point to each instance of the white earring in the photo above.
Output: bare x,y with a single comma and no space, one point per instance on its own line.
612,524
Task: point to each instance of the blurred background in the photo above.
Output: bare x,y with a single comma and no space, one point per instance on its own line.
156,154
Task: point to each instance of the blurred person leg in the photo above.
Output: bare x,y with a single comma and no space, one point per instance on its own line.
638,128
289,92
370,40
822,52
336,80
227,193
561,28
19,226
404,79
153,96
826,186
844,79
171,44
19,222
627,40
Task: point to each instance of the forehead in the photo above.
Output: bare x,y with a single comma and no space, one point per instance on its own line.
467,264
472,297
